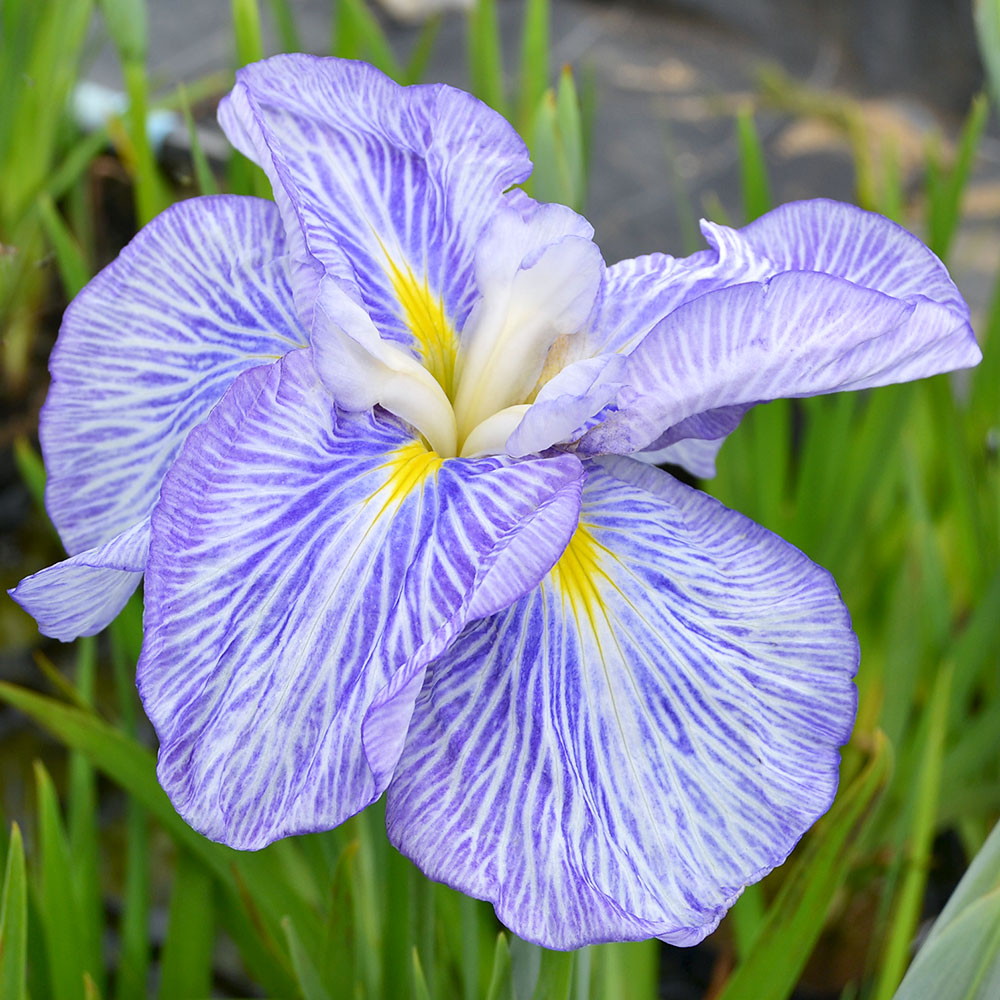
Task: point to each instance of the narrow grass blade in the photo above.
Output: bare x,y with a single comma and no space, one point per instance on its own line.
484,56
906,911
945,188
796,918
284,21
421,991
754,181
203,175
308,978
555,976
249,49
57,899
81,813
31,469
423,49
987,20
131,981
501,983
247,32
14,922
358,34
534,75
186,960
626,971
569,118
74,271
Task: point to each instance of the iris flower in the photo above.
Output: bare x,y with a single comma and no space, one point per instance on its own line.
385,453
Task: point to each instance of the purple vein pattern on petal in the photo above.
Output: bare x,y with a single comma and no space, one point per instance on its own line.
635,295
83,594
370,172
304,567
628,746
149,346
868,249
798,334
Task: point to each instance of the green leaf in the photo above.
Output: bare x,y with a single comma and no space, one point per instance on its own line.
534,77
906,909
796,917
305,971
203,175
186,961
420,988
284,20
81,811
74,272
31,468
987,20
358,34
14,922
127,25
484,55
501,983
555,975
256,877
753,168
422,50
247,32
945,189
57,900
960,960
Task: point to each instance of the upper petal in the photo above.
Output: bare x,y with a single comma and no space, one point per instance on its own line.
618,754
305,565
149,346
641,298
800,333
389,188
863,247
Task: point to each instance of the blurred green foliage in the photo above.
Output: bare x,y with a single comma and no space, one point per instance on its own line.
896,491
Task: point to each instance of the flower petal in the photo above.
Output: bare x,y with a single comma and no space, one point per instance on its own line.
623,750
863,247
83,594
697,455
305,565
797,334
146,350
390,188
539,274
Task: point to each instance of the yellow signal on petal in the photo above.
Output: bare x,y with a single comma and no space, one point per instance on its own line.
408,467
424,314
579,576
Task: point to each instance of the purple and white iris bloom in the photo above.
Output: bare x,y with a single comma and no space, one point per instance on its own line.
384,453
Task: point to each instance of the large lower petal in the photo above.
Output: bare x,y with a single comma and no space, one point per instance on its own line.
305,565
83,594
618,754
149,346
798,334
389,188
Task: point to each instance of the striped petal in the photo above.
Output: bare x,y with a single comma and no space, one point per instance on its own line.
83,594
389,189
623,750
798,334
305,565
865,248
146,350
